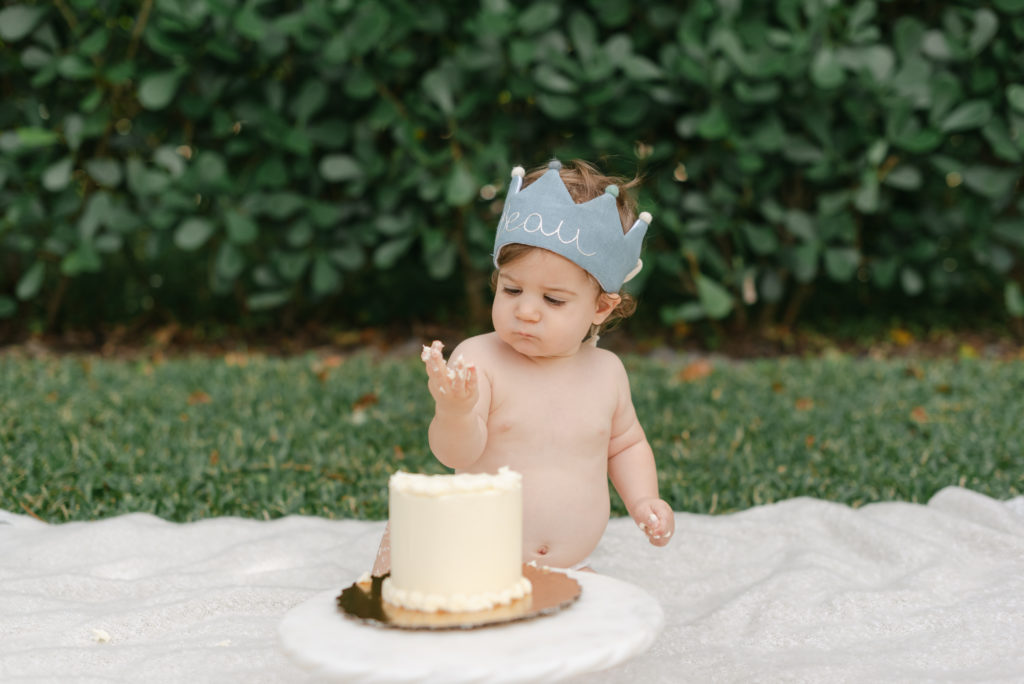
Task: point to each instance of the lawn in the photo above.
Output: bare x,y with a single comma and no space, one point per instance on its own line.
83,437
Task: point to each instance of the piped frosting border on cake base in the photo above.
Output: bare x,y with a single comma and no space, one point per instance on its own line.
454,603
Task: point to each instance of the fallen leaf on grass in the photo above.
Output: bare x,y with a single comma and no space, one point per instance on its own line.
809,440
236,359
696,371
901,337
804,404
199,397
365,401
322,368
919,415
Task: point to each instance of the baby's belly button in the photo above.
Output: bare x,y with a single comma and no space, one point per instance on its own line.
542,550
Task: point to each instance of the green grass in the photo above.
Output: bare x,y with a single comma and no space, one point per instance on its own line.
83,438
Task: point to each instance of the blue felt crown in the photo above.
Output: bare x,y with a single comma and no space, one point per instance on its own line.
588,234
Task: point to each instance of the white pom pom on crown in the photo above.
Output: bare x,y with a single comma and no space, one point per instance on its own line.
519,171
646,217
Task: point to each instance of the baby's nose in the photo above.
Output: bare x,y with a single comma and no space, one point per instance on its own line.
526,311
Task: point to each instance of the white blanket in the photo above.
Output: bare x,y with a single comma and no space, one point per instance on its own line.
803,590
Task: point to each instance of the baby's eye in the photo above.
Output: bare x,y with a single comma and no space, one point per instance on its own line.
511,290
553,301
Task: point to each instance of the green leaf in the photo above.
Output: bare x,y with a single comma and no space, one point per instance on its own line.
8,307
538,17
826,69
105,171
350,257
714,299
990,181
267,300
74,68
325,278
240,227
904,177
1011,230
986,25
340,167
461,186
841,263
713,125
438,85
558,106
388,253
250,24
230,261
157,90
804,261
193,233
551,79
866,197
972,114
936,45
57,176
762,240
31,282
17,21
800,224
1014,299
1015,96
911,280
883,272
84,259
998,136
310,100
441,262
640,68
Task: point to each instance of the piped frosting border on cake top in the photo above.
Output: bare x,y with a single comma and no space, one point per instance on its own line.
419,484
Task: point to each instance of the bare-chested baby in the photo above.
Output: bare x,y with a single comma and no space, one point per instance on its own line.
537,394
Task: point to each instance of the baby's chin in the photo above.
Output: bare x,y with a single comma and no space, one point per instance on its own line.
536,348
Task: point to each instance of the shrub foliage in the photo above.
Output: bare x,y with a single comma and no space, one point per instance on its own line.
229,157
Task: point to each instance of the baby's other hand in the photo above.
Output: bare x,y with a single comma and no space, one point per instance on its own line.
454,387
656,519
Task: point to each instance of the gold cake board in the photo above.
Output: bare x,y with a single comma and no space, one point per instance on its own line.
552,591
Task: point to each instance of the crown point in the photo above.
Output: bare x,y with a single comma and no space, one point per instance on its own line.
519,172
554,164
646,217
612,190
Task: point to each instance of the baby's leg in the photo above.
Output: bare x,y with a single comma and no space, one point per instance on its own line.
382,565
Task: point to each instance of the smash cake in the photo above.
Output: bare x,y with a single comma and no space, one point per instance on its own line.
456,542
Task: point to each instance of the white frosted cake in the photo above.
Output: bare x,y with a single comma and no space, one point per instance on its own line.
456,541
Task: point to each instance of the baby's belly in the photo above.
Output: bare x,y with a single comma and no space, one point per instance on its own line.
564,516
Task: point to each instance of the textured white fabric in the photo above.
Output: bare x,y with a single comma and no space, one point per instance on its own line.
803,590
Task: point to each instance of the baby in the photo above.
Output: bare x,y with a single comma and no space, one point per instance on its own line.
537,394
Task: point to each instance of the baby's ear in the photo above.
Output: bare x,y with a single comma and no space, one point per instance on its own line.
606,303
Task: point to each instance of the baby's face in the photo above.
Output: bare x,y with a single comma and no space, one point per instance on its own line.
545,304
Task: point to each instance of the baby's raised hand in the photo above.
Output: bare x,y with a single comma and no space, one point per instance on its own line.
454,387
656,519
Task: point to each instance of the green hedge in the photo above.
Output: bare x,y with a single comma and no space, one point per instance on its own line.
223,158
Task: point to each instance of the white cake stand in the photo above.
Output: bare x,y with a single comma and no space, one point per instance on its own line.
611,622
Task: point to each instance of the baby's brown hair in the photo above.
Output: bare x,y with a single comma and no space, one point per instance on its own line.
584,182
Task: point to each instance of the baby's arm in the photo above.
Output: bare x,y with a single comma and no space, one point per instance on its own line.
632,471
458,431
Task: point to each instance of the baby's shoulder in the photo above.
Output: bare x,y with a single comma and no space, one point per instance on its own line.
477,347
605,361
